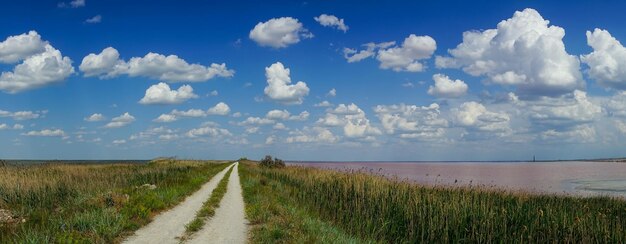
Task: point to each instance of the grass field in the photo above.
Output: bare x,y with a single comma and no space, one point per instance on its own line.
361,206
76,203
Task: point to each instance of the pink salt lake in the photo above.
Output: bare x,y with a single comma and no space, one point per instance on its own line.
582,178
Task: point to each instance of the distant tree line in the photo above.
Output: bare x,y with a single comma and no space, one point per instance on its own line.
268,162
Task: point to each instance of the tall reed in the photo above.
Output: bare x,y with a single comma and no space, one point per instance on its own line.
393,211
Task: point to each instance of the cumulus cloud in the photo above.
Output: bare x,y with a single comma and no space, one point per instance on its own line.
577,134
219,109
476,119
523,51
4,126
312,135
120,121
332,93
41,64
568,109
166,118
95,118
279,86
171,68
407,56
352,55
279,32
20,47
256,121
446,87
412,121
162,94
323,104
119,142
72,4
278,114
331,21
304,115
353,120
46,132
22,115
208,131
94,20
607,62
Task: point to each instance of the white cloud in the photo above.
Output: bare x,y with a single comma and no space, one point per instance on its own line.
279,32
607,62
102,63
278,85
4,126
162,94
94,20
312,135
352,55
323,104
95,117
42,64
192,113
279,126
270,139
120,121
72,4
567,109
166,118
476,118
46,132
523,51
352,118
620,125
22,115
20,47
119,142
577,134
256,121
412,121
407,56
446,87
304,115
213,93
208,131
77,3
153,65
278,114
219,109
332,21
332,93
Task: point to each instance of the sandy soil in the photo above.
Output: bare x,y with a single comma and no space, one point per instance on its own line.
229,224
169,225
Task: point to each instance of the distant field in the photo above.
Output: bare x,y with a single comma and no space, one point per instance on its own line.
91,202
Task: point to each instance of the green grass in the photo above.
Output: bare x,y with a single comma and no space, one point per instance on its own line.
208,208
65,203
376,208
276,217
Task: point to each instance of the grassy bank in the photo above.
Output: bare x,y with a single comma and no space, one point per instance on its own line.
372,207
70,203
277,217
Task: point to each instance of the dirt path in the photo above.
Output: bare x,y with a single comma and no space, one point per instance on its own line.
167,226
229,224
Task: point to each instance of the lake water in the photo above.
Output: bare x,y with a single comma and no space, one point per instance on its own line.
581,178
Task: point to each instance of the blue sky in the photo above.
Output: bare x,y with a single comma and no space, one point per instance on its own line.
393,80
